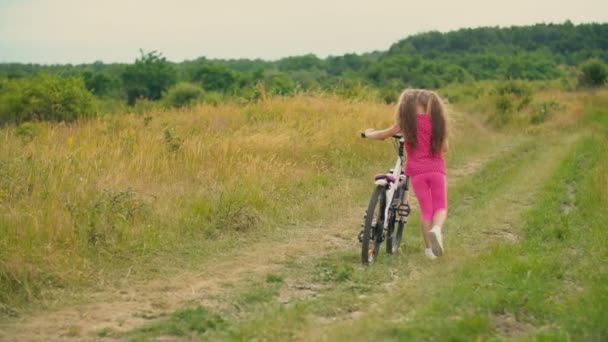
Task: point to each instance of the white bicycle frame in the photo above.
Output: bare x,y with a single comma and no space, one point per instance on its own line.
390,192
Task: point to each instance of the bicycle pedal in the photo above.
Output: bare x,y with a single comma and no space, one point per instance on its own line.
360,237
404,210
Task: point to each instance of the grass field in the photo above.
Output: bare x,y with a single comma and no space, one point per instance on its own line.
239,222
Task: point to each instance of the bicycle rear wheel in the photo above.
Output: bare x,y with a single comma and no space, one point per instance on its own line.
374,225
393,238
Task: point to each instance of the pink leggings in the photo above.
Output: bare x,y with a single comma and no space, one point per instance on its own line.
431,191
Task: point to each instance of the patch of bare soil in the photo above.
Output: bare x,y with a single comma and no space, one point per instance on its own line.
504,232
507,325
569,201
294,292
475,165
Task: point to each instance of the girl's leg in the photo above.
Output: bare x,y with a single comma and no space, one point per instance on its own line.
423,194
439,217
437,185
425,227
439,192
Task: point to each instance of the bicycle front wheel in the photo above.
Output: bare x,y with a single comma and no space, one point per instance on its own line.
374,225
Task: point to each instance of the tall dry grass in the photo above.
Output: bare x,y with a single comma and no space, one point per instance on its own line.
79,201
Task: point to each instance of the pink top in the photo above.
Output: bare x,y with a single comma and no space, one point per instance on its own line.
420,160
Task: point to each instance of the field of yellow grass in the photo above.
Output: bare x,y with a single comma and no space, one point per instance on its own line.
80,201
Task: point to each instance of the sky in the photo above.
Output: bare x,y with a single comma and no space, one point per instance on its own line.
84,31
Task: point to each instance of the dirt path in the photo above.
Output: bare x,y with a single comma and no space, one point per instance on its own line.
134,305
498,220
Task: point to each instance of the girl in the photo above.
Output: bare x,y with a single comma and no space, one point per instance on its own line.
421,118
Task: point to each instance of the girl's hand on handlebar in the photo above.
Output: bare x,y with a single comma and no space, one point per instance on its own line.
366,133
371,133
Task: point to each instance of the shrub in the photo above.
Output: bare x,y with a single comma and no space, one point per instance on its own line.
148,77
594,73
509,97
28,131
213,98
144,106
183,94
519,92
110,215
504,105
216,77
45,97
543,111
98,83
279,84
172,140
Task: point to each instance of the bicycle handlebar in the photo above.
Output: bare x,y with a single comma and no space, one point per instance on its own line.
396,136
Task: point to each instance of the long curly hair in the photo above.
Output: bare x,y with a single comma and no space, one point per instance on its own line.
410,102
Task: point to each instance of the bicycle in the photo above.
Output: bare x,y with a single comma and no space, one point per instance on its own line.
380,219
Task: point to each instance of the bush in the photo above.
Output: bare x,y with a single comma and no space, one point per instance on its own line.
149,77
279,84
172,140
99,84
216,77
543,111
45,97
111,214
28,131
144,106
594,73
509,97
519,92
183,94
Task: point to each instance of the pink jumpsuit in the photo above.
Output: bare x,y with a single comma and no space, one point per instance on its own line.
426,171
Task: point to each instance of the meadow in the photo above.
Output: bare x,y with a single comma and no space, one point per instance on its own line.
83,201
235,221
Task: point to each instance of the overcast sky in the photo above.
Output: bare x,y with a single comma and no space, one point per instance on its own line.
82,31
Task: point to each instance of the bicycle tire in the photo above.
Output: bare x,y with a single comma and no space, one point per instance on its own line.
393,243
393,239
373,229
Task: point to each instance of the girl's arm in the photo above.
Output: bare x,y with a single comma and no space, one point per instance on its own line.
371,133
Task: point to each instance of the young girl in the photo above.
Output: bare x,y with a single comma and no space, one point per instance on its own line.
421,118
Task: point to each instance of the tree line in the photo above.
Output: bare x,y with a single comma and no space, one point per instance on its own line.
428,60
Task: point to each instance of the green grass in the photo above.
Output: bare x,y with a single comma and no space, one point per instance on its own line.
104,332
273,278
552,284
185,322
